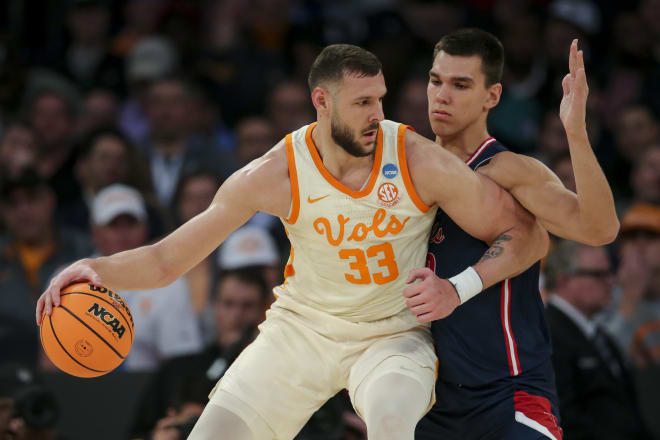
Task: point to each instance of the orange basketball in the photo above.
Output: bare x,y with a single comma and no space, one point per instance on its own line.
90,333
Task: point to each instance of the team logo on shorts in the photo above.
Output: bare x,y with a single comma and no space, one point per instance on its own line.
437,235
84,348
388,195
390,171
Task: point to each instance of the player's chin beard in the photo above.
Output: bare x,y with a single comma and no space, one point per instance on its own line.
342,136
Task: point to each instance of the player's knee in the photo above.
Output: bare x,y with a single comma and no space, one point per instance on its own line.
394,404
388,425
218,423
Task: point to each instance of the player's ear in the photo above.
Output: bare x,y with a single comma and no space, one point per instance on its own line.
493,96
321,100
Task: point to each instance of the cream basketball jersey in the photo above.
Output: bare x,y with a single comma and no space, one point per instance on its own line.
352,250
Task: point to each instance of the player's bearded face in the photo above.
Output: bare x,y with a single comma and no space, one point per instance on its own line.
345,137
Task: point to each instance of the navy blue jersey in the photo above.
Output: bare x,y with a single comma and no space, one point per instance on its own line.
499,333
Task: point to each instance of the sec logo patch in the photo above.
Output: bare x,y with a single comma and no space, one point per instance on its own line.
388,194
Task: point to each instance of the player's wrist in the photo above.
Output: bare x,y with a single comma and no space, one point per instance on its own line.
578,132
467,284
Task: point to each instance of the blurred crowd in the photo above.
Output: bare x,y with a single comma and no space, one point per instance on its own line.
120,119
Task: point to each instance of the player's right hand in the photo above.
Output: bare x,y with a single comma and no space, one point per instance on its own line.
432,298
80,271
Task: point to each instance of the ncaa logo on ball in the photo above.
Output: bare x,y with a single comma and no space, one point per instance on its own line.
388,195
390,171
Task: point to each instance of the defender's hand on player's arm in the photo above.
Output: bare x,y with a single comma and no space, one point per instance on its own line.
80,271
432,298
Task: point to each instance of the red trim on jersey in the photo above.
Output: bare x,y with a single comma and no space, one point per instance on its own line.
509,339
539,410
480,150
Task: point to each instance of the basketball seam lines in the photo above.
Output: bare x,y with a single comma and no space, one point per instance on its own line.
50,320
107,302
93,331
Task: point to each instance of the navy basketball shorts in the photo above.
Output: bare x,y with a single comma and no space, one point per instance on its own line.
522,407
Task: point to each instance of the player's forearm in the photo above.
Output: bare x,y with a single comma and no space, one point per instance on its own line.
597,217
135,269
512,253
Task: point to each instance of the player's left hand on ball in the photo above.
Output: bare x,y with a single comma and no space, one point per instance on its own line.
432,298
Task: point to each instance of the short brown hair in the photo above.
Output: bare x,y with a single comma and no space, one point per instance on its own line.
337,60
471,41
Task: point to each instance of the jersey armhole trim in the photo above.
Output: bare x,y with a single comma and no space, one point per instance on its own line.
405,174
293,177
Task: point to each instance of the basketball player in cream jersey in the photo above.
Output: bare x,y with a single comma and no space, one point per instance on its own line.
357,195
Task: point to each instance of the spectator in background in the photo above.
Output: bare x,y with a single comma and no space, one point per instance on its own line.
552,141
150,59
636,323
52,115
255,135
523,79
636,130
100,109
289,107
208,124
596,390
239,305
30,251
566,20
165,323
194,194
628,56
252,247
237,72
170,147
18,149
563,168
140,21
412,106
105,157
87,60
645,178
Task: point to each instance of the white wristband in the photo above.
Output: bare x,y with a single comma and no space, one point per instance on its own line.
467,284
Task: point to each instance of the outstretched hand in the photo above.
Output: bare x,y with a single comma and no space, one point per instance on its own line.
573,107
80,271
432,298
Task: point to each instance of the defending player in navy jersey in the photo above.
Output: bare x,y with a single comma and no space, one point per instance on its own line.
495,378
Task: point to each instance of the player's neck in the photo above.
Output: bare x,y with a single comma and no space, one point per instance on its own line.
464,143
335,159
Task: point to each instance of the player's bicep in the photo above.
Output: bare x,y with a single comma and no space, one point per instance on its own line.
538,190
555,207
479,206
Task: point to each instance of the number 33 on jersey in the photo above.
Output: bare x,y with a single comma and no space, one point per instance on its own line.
352,250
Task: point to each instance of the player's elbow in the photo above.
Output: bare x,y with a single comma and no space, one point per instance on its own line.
611,232
542,240
603,234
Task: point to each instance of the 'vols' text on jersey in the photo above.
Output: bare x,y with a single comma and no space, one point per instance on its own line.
351,251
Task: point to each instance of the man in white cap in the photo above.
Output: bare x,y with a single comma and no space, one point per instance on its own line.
165,322
252,246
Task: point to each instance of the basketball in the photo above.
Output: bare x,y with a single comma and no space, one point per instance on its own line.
90,333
